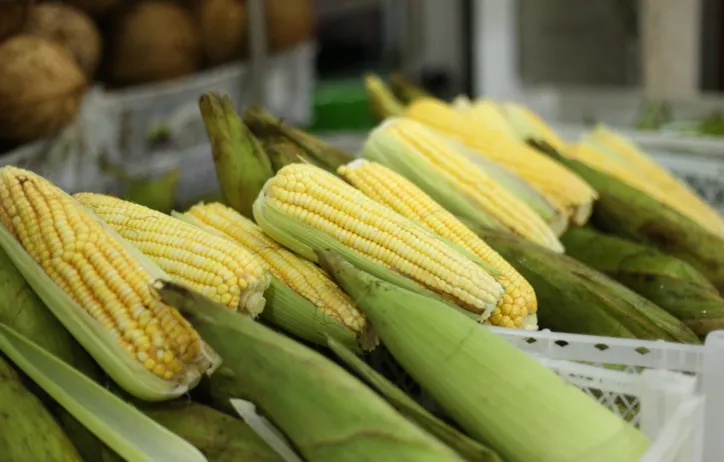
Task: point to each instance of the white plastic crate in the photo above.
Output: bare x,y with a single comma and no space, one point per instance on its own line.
658,386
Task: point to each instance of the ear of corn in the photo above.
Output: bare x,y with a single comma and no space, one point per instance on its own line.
97,285
662,279
241,164
406,89
601,158
228,274
554,216
433,164
305,208
120,425
628,212
518,305
507,399
350,419
467,447
557,184
382,102
486,113
529,125
301,299
644,173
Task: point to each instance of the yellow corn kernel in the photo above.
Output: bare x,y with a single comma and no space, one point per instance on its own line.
476,184
206,263
388,188
552,180
87,262
300,274
326,203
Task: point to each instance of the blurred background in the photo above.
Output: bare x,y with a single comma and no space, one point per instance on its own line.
102,94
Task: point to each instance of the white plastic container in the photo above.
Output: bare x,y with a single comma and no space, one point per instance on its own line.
658,386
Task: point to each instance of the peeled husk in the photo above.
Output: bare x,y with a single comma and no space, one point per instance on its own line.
41,88
224,32
71,28
153,41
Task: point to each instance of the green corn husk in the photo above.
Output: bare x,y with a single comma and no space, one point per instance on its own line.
382,101
28,432
405,89
504,397
128,432
280,139
221,438
327,414
468,448
88,446
576,299
293,313
672,284
556,219
242,167
627,212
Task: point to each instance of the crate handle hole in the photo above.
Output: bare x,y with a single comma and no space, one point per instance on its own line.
642,351
601,346
561,343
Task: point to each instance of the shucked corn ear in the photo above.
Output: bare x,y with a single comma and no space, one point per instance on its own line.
435,165
643,169
299,274
99,287
305,208
517,306
559,185
204,262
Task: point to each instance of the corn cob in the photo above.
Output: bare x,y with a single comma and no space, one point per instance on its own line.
672,191
438,168
405,89
97,285
506,399
304,207
529,125
209,264
332,306
363,427
484,112
560,186
518,305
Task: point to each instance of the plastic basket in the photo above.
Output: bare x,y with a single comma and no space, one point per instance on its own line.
658,386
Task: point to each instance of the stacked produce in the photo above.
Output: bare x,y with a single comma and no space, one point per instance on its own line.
319,257
52,52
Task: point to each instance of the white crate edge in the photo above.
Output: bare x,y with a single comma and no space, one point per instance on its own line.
672,409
